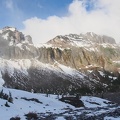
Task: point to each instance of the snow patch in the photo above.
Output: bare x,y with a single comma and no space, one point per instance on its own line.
49,46
101,73
91,33
42,45
0,31
68,70
12,29
10,65
92,102
111,118
5,36
107,45
60,118
116,62
65,69
20,46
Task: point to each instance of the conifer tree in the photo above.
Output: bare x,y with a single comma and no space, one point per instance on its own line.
10,99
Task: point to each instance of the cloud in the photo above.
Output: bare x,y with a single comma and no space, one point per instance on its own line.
99,16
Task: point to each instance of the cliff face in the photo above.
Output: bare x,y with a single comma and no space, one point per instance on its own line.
86,61
79,51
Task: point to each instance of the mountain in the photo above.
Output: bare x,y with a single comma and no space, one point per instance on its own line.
71,63
87,49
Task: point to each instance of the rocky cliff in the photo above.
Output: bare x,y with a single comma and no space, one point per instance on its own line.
78,51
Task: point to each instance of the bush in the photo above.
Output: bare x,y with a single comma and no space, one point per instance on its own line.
31,116
31,99
15,118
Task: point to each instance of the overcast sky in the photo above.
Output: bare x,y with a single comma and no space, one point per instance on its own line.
45,19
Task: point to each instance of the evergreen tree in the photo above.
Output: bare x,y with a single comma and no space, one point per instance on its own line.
1,94
6,104
10,99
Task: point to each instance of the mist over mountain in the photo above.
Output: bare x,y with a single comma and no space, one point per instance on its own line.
74,63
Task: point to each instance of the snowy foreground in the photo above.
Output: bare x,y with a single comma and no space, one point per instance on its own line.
50,108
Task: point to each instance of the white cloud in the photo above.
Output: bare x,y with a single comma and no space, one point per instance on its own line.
104,18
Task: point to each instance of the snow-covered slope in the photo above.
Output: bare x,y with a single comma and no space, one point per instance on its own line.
26,102
31,73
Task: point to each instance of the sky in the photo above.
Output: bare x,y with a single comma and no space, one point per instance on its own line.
45,19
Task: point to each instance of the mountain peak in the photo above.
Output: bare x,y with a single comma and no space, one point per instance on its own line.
9,28
83,38
14,36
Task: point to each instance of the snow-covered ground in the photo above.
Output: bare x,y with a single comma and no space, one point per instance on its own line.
111,118
25,102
